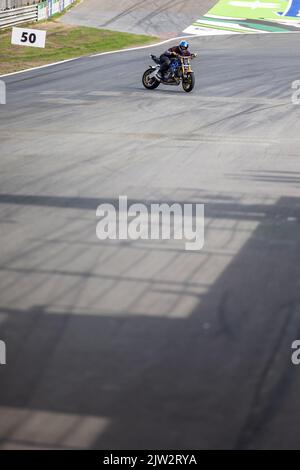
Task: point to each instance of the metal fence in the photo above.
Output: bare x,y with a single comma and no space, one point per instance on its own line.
17,16
7,4
34,12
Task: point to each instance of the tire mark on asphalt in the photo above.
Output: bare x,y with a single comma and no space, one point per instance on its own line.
274,381
157,12
127,11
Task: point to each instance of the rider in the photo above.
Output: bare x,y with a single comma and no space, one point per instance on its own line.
165,59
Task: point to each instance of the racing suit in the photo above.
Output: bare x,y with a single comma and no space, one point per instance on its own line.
165,58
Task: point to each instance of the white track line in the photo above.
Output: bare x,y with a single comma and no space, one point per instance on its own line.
40,67
96,55
142,47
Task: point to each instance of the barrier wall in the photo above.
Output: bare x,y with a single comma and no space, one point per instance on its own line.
37,12
51,7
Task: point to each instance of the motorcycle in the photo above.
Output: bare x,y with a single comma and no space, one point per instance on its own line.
180,71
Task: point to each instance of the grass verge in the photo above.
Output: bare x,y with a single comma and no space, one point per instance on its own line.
63,42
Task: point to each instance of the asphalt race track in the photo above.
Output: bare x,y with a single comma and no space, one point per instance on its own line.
141,344
165,18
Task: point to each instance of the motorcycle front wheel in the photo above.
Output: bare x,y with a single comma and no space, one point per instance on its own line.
150,82
188,83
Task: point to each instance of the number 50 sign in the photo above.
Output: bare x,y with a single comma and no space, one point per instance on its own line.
28,37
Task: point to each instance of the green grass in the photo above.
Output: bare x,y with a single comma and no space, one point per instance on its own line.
63,42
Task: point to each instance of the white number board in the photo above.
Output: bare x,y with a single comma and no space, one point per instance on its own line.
28,37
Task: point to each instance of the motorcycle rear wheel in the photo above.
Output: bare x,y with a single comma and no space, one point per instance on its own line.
150,83
188,83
